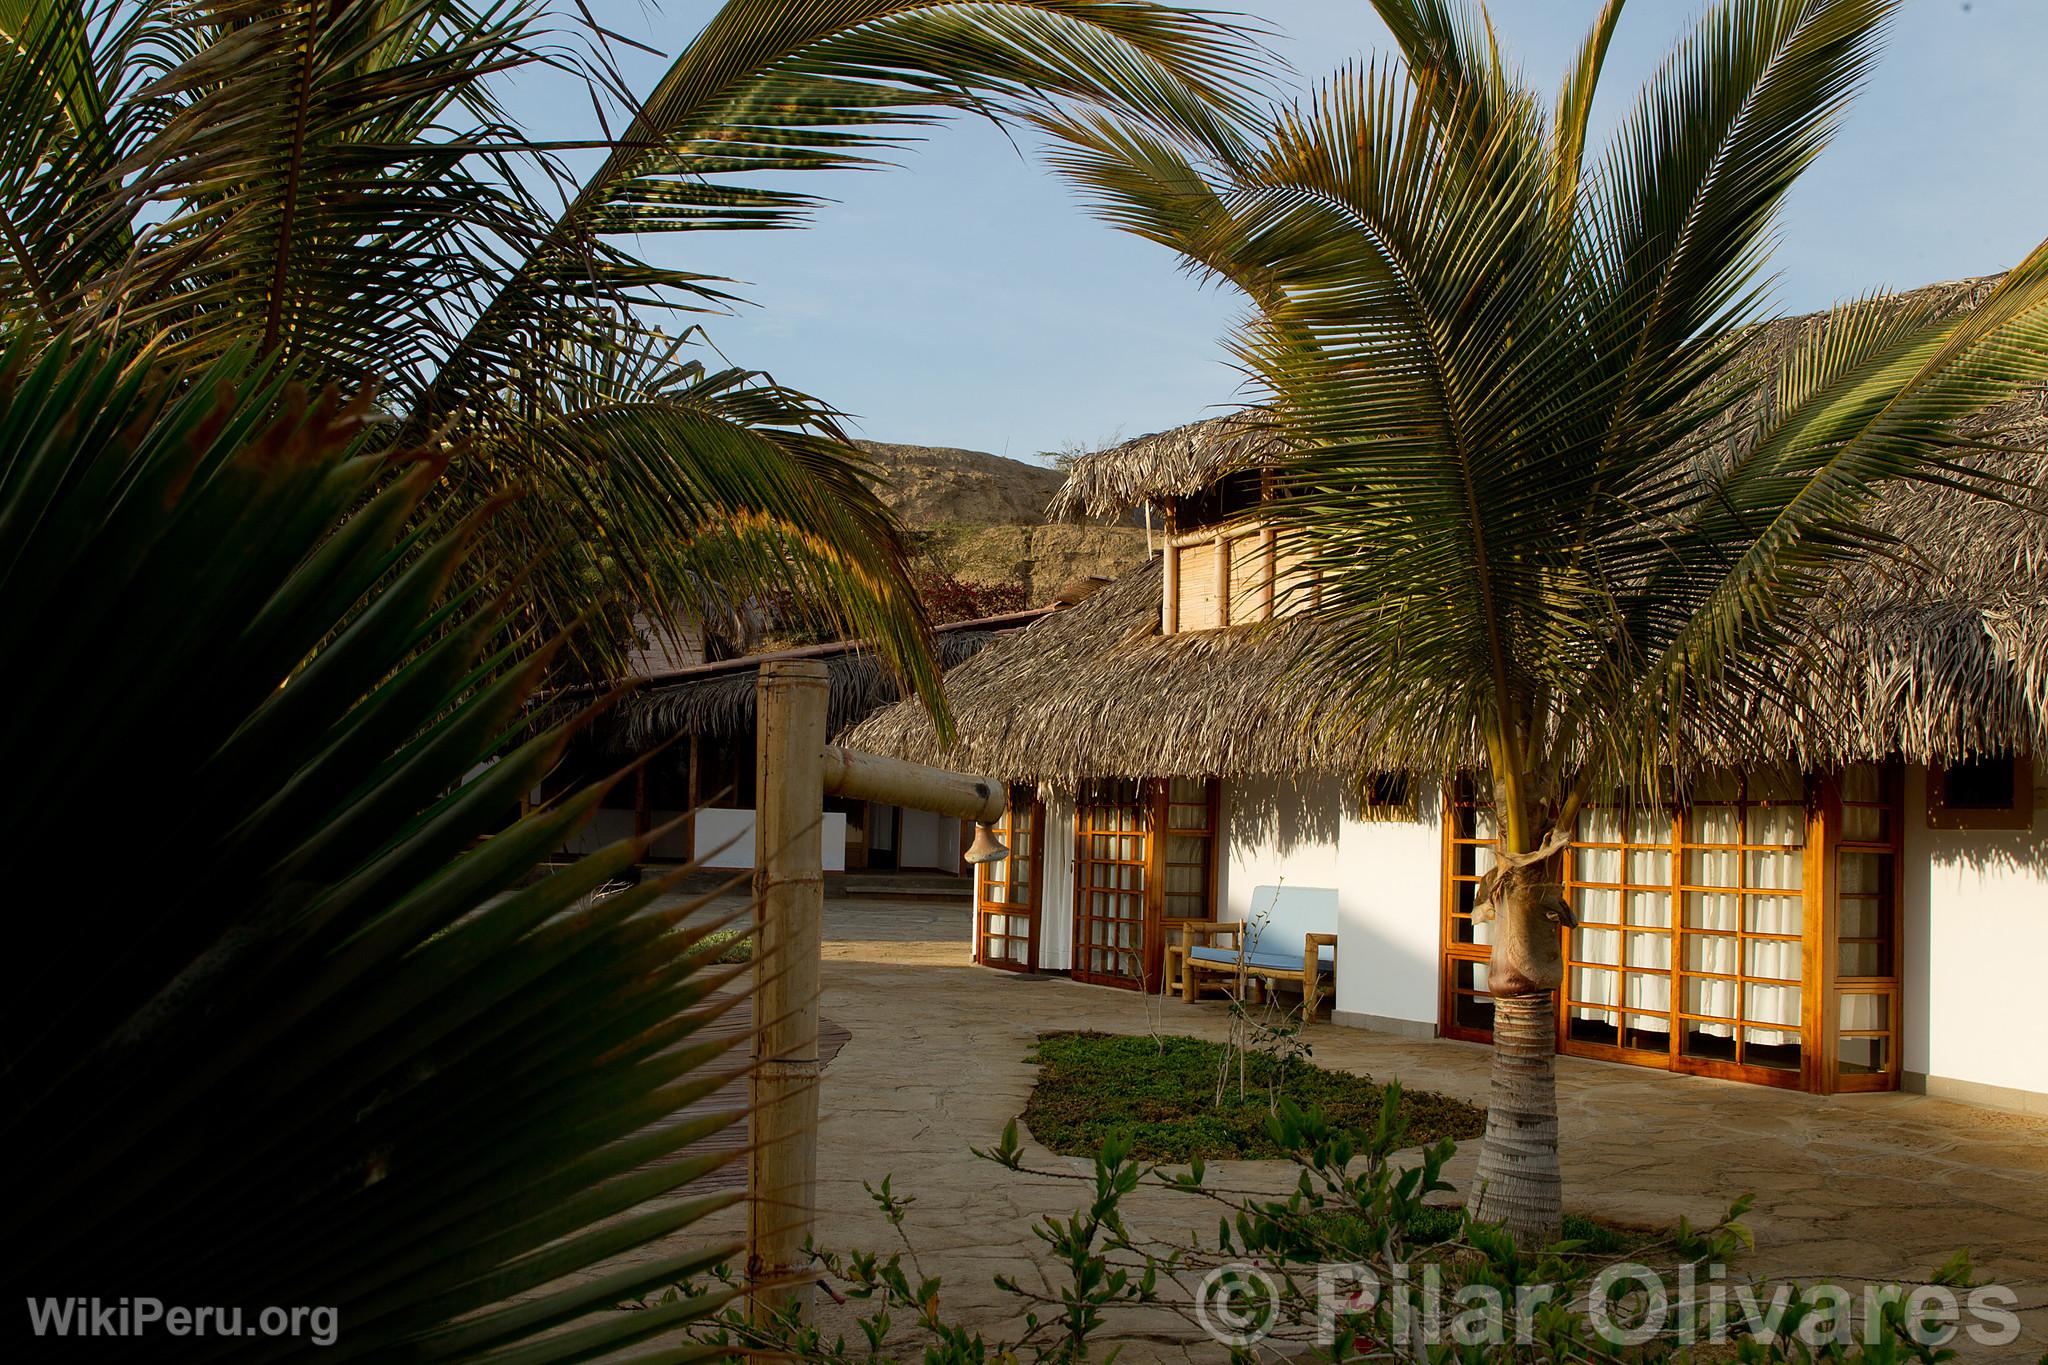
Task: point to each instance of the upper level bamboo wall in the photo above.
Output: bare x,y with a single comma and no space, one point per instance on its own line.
1230,576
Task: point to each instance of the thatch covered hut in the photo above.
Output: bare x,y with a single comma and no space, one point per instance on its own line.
695,727
1835,920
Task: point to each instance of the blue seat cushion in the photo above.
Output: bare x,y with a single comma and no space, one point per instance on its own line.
1279,962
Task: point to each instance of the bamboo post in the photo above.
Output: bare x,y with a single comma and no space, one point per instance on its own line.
789,898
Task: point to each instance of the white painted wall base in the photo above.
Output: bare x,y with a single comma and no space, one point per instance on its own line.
1969,1092
1379,1023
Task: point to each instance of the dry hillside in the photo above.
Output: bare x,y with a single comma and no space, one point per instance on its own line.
981,518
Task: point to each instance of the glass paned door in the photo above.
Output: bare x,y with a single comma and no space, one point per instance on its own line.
1863,954
1188,852
1112,892
1007,891
1465,1006
1742,935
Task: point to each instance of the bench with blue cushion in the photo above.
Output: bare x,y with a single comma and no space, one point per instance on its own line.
1289,934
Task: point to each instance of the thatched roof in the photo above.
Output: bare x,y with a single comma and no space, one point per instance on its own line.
1110,483
716,700
1097,691
1939,652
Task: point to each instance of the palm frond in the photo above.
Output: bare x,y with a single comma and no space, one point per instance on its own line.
336,179
319,1003
1683,204
688,475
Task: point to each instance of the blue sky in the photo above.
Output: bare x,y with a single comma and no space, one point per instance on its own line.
965,300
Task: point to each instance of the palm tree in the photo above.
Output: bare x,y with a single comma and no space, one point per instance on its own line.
1503,374
341,184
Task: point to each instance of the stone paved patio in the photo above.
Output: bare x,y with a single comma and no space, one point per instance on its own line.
1876,1187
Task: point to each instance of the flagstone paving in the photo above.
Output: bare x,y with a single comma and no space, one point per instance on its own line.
1849,1188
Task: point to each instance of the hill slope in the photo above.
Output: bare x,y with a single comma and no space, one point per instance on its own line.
980,518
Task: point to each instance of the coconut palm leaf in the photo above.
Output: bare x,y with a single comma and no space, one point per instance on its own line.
322,1037
59,138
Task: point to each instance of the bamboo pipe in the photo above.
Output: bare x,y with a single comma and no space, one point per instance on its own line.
896,782
789,901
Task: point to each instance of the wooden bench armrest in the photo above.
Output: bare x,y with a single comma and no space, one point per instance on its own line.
1319,940
1202,928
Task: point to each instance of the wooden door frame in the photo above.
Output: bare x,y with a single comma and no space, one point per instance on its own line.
1035,903
1149,913
1153,800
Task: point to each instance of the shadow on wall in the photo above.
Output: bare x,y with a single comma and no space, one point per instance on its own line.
1991,850
1288,816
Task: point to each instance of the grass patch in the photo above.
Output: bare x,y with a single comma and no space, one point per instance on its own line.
732,945
1162,1093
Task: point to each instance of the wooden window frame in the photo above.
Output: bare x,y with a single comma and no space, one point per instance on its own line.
2016,817
1833,984
1231,546
1673,849
1454,952
1822,987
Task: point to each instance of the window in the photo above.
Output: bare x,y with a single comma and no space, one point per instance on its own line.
1618,958
1863,945
1388,796
1741,959
1752,933
1218,577
1981,793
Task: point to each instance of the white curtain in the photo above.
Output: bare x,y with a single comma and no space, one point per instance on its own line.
1727,917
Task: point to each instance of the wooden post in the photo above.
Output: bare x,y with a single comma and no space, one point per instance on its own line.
1269,569
789,896
1222,578
690,820
1169,598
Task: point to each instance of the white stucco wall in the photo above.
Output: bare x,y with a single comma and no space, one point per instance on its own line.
603,829
1388,877
725,839
1976,929
928,841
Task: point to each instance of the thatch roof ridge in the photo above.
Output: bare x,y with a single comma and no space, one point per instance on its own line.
1107,484
717,699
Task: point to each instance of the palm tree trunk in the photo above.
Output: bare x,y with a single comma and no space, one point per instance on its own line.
1518,1183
